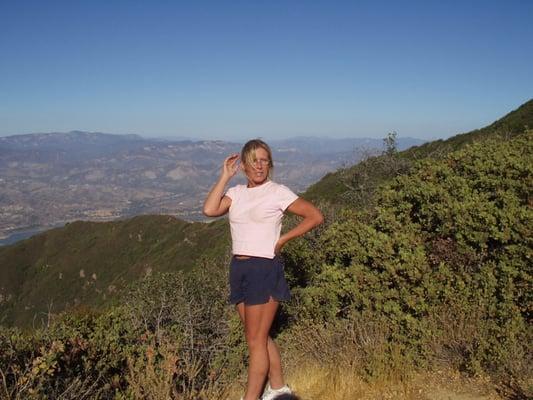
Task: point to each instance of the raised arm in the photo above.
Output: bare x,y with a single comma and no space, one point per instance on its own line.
216,204
312,217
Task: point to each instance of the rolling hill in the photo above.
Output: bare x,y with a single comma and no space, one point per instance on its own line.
88,263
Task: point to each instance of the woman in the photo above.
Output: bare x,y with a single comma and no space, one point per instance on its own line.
257,281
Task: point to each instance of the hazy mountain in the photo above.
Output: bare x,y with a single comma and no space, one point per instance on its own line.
48,179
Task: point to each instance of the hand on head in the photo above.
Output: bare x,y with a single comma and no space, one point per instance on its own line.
230,166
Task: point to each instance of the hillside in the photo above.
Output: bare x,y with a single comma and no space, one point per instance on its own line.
88,263
367,175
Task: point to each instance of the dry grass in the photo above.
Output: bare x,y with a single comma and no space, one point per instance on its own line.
348,363
313,381
155,377
318,382
354,361
150,379
351,360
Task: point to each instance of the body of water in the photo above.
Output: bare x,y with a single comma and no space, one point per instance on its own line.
21,235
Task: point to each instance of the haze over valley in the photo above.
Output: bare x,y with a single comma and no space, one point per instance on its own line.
48,179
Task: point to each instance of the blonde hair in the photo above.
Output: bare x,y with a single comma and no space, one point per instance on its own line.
248,156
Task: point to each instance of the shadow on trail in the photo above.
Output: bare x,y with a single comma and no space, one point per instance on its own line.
287,397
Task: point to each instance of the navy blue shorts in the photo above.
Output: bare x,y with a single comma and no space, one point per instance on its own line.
254,280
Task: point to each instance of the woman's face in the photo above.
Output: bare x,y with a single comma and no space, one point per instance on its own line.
257,173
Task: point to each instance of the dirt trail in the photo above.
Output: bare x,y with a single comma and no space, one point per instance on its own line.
446,394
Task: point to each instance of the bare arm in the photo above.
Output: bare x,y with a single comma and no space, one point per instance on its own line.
312,217
215,203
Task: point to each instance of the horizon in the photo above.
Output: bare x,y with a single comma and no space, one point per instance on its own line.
232,70
183,138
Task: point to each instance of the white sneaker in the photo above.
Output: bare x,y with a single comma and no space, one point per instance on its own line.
271,394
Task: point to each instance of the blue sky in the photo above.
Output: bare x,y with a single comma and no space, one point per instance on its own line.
238,69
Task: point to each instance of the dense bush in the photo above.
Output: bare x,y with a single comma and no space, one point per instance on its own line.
453,234
80,356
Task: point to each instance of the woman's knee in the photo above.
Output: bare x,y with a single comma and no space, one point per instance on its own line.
256,340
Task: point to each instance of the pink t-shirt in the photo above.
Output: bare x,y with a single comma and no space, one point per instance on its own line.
255,217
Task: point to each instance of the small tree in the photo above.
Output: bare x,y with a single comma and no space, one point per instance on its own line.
362,179
390,144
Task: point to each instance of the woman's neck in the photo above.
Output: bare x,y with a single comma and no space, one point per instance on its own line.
252,184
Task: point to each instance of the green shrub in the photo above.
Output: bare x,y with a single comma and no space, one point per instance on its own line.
452,234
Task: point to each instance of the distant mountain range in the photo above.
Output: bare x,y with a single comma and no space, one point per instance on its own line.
48,179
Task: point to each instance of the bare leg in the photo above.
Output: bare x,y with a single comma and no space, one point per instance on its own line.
257,322
275,374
